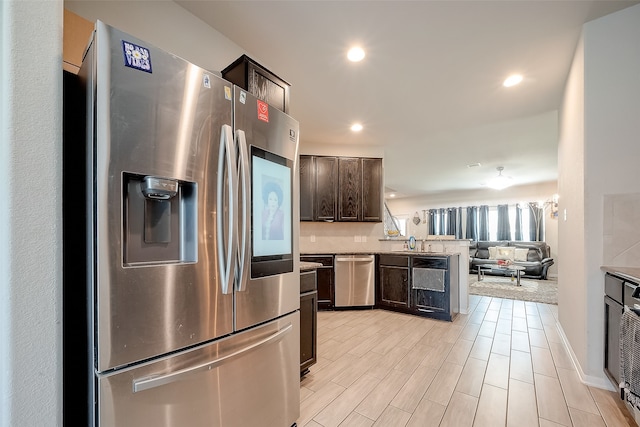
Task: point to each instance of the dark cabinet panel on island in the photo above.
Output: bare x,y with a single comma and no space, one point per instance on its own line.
425,285
435,286
393,281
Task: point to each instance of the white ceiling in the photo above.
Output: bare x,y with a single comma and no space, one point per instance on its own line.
429,90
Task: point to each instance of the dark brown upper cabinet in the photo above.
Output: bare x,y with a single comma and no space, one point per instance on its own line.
372,190
350,189
340,189
326,189
260,82
307,187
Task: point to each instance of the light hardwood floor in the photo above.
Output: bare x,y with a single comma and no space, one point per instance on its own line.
503,364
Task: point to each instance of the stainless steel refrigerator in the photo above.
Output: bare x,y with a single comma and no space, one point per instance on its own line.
192,244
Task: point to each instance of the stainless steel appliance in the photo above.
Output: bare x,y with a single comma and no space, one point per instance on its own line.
192,275
355,280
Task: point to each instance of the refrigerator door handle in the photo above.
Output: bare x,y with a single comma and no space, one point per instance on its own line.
148,383
227,258
243,171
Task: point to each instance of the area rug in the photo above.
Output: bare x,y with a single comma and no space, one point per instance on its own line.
545,291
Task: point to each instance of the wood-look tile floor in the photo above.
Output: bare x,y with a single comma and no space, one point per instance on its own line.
503,364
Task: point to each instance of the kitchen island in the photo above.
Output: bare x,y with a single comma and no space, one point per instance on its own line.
425,284
326,249
422,283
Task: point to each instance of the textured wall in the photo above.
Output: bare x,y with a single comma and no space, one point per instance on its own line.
31,213
621,229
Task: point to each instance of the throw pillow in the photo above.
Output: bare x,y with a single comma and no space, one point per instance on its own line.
521,254
492,252
505,252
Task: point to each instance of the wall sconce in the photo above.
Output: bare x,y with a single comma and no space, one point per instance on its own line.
554,206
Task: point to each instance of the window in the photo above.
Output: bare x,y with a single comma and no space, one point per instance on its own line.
402,224
493,223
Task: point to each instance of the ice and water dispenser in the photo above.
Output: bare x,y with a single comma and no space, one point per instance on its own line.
159,220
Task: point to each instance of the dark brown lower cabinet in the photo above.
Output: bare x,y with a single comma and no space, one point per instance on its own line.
435,286
614,288
393,281
426,285
308,320
325,280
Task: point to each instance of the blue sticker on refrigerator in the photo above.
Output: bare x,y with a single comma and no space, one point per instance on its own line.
136,57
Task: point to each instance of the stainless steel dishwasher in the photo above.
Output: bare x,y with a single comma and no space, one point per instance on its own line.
355,280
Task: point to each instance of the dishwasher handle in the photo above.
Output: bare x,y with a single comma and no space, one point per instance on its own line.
354,259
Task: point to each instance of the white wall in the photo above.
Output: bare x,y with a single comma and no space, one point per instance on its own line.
30,213
572,296
165,25
598,156
342,150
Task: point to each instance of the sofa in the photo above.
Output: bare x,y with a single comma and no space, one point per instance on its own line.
535,257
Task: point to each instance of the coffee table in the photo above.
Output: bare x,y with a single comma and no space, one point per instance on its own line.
516,270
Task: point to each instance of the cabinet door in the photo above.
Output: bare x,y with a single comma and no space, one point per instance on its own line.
612,315
259,81
349,188
427,301
325,288
394,286
307,187
326,188
372,193
324,279
308,330
431,286
268,87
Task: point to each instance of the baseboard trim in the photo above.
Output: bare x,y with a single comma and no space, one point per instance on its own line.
600,382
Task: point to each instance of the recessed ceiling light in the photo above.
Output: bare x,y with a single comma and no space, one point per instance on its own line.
356,127
355,54
512,80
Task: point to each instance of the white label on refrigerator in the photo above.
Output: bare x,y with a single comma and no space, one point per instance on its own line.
206,81
243,97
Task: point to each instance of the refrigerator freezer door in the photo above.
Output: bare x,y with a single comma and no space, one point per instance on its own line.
248,379
153,203
271,131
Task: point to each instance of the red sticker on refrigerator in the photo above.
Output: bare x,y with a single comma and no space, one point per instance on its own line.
263,111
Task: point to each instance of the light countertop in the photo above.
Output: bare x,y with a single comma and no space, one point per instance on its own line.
306,265
631,273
